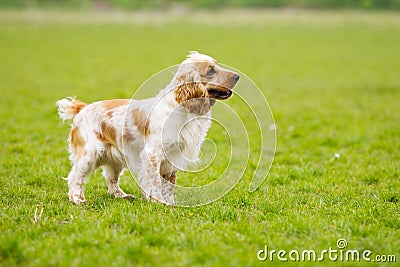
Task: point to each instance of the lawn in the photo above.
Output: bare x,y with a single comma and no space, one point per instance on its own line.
332,81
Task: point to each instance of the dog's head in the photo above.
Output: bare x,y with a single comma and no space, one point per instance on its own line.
200,81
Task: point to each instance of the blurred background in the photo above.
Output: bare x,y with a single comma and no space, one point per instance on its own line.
328,68
161,4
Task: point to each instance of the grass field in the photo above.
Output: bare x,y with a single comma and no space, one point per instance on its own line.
333,83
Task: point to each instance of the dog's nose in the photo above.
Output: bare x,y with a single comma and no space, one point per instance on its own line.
236,77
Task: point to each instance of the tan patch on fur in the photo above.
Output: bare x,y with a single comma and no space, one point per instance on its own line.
107,135
128,136
78,106
181,146
171,177
77,143
141,122
189,90
153,161
223,77
203,67
111,104
193,96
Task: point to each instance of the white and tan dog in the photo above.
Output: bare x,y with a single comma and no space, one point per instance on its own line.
155,137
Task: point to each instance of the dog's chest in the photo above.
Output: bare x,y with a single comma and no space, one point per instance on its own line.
184,135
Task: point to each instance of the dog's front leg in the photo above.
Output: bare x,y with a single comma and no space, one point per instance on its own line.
168,183
149,176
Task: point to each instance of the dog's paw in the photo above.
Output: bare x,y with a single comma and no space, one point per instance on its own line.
129,196
121,194
77,198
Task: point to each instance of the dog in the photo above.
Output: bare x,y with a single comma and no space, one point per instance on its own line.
155,137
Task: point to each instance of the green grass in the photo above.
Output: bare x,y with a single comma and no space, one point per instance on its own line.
333,83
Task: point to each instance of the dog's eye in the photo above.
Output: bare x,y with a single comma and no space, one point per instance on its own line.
211,71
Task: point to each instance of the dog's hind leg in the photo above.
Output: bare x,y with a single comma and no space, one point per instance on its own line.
81,170
112,173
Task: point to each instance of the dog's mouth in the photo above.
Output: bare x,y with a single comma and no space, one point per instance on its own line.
217,94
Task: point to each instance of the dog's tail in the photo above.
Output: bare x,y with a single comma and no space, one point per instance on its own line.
69,107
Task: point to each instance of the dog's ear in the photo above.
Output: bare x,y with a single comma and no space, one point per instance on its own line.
192,94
